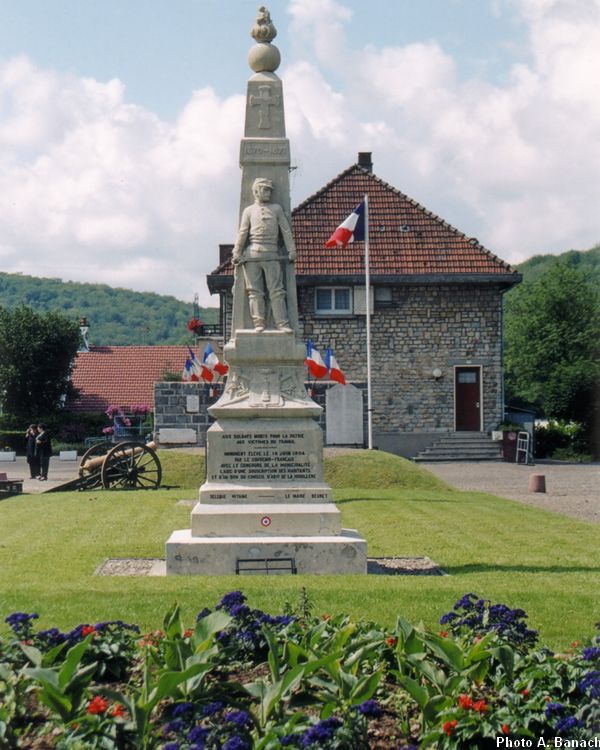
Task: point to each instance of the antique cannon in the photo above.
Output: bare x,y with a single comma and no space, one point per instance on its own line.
128,465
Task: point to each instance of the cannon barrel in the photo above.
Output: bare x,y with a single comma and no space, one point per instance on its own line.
96,463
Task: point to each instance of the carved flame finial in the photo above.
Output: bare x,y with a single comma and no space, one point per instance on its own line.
263,30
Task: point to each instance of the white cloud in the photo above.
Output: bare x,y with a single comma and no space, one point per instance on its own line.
94,188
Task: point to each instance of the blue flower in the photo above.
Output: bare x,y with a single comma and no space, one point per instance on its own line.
239,610
20,622
230,600
448,617
289,740
321,732
173,726
171,746
591,653
371,709
212,708
554,708
198,735
183,709
591,683
566,724
241,719
236,743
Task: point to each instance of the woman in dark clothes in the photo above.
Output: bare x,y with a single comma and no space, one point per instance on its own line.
30,451
44,449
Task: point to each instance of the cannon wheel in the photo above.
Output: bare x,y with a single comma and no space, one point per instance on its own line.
92,477
131,465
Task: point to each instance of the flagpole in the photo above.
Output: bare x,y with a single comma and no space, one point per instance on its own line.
368,304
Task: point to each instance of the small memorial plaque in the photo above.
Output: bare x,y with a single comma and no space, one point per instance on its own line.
192,404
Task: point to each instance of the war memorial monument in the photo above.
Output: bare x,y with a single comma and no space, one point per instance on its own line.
264,507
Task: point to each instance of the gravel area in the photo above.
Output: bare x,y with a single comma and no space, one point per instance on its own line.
571,489
386,566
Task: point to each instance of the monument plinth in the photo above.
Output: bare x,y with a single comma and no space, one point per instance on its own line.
264,500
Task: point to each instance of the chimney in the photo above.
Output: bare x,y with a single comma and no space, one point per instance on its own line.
365,161
83,330
224,253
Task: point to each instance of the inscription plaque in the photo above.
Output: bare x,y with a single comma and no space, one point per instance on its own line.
272,457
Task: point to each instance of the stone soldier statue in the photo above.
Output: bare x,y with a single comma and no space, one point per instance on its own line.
257,251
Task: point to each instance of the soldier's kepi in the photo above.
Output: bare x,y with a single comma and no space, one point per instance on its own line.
257,250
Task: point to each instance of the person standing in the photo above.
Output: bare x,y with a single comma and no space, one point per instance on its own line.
43,449
31,452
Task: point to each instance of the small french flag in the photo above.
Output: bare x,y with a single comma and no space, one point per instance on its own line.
334,369
314,361
188,371
351,229
211,360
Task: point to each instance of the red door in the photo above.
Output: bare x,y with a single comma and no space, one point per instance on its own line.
467,388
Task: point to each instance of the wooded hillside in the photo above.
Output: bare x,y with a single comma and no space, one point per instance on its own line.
115,316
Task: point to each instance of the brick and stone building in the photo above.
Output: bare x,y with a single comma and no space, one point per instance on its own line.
436,310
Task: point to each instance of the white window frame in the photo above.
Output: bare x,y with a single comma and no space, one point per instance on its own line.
333,311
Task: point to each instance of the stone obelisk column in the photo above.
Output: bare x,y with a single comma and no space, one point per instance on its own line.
265,504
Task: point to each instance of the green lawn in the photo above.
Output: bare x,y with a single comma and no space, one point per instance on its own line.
50,546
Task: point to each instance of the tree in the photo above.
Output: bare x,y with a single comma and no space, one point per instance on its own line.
552,347
37,353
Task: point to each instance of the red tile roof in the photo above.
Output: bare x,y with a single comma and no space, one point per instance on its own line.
405,239
122,375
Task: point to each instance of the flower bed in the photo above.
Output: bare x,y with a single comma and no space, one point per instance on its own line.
240,678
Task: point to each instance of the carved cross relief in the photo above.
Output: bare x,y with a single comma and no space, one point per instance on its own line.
264,101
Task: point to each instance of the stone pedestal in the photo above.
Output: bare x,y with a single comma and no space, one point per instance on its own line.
265,498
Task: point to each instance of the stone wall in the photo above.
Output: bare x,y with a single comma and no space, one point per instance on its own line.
180,413
425,328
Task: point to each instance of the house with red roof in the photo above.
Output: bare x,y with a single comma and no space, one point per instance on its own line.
122,375
436,313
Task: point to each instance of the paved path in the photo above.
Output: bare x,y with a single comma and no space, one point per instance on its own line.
571,489
58,473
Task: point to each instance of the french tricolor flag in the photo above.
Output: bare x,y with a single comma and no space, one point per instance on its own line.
314,361
334,369
211,361
350,230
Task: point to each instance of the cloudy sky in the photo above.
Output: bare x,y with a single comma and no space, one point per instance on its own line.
120,124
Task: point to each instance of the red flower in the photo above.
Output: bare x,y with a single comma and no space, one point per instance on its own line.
97,705
391,640
444,633
449,726
464,701
525,693
117,710
505,729
480,706
194,325
87,629
188,633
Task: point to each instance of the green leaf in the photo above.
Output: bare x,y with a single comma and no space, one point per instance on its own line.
72,660
435,706
420,695
366,687
172,622
446,650
209,626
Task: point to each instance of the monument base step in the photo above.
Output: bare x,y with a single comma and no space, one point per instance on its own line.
317,555
315,519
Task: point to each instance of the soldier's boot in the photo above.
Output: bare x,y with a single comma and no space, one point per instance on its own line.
257,312
280,314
